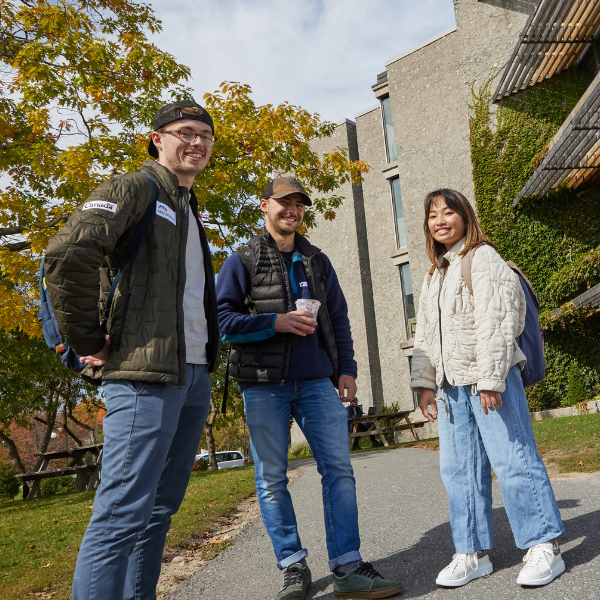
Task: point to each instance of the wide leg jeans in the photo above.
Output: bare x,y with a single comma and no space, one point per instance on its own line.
318,410
472,443
151,435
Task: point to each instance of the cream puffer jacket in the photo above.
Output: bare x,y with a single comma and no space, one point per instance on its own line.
476,344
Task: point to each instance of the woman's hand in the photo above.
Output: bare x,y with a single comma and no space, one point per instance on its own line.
490,400
428,399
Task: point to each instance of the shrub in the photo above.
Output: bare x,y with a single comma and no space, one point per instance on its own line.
57,485
576,393
9,484
200,465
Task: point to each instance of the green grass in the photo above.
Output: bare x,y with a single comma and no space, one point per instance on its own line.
571,442
39,539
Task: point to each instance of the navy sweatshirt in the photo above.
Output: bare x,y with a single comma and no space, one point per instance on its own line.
308,359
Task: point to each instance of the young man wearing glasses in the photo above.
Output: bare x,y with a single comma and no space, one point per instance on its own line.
154,355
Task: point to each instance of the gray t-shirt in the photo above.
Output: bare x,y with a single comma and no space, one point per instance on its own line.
196,331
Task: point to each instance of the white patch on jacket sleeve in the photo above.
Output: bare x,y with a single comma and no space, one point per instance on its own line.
101,205
162,210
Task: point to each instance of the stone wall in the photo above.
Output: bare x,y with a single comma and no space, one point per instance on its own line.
344,240
430,90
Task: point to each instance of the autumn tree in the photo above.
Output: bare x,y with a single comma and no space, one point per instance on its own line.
79,85
36,388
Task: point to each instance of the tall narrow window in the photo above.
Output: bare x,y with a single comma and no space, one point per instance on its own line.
388,130
398,212
409,302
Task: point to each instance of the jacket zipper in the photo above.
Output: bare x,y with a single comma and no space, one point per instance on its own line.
288,293
442,277
180,332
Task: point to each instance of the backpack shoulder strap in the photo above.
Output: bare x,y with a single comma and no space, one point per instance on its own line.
132,246
524,279
247,257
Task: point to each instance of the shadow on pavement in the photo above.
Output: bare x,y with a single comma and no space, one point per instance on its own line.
418,566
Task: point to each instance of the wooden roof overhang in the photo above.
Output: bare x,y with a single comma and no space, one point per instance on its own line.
554,37
574,154
589,300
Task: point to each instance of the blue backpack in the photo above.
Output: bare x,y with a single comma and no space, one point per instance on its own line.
531,341
54,340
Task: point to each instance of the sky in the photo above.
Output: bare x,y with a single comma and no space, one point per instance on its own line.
322,55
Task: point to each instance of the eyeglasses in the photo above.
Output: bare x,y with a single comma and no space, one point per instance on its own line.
189,137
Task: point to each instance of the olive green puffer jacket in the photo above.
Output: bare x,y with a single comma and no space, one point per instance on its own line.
146,325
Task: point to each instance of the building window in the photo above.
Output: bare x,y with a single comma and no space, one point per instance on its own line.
409,301
398,212
416,395
388,130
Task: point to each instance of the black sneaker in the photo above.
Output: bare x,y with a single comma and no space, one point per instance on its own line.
364,582
296,581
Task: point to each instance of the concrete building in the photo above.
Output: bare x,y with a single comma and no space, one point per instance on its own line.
415,138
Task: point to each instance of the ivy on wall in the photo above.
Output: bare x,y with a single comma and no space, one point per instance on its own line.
555,240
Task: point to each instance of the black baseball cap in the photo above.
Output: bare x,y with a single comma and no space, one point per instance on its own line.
284,186
182,109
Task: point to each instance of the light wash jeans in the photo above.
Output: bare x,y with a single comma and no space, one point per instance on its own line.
318,410
471,442
151,435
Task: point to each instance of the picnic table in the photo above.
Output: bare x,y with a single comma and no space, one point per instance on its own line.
382,429
87,474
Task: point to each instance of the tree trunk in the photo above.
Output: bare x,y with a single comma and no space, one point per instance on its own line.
210,440
13,453
51,411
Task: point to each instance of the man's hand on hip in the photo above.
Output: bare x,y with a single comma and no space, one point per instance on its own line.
99,359
300,322
347,385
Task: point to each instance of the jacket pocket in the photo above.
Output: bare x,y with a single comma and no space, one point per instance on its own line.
117,320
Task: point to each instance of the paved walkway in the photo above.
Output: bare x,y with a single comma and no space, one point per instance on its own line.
406,534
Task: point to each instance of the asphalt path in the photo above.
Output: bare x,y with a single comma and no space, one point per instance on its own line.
405,533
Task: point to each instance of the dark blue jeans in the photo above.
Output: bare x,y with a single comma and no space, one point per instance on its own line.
318,410
151,435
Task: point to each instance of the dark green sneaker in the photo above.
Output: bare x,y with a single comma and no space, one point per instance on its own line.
296,581
364,582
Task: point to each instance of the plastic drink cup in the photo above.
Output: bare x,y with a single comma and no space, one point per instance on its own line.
308,305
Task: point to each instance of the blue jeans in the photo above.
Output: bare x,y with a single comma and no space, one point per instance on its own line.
470,443
151,436
318,410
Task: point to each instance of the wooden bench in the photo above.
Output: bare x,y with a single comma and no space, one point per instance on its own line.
87,475
377,428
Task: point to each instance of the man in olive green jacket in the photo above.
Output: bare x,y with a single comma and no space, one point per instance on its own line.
154,355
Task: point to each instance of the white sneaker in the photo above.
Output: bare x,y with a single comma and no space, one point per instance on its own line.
465,568
544,564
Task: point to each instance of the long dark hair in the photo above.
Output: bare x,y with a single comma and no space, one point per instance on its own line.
459,204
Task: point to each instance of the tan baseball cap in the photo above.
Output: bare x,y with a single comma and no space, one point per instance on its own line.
284,186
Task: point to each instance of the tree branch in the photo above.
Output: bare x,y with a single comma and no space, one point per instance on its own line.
17,246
